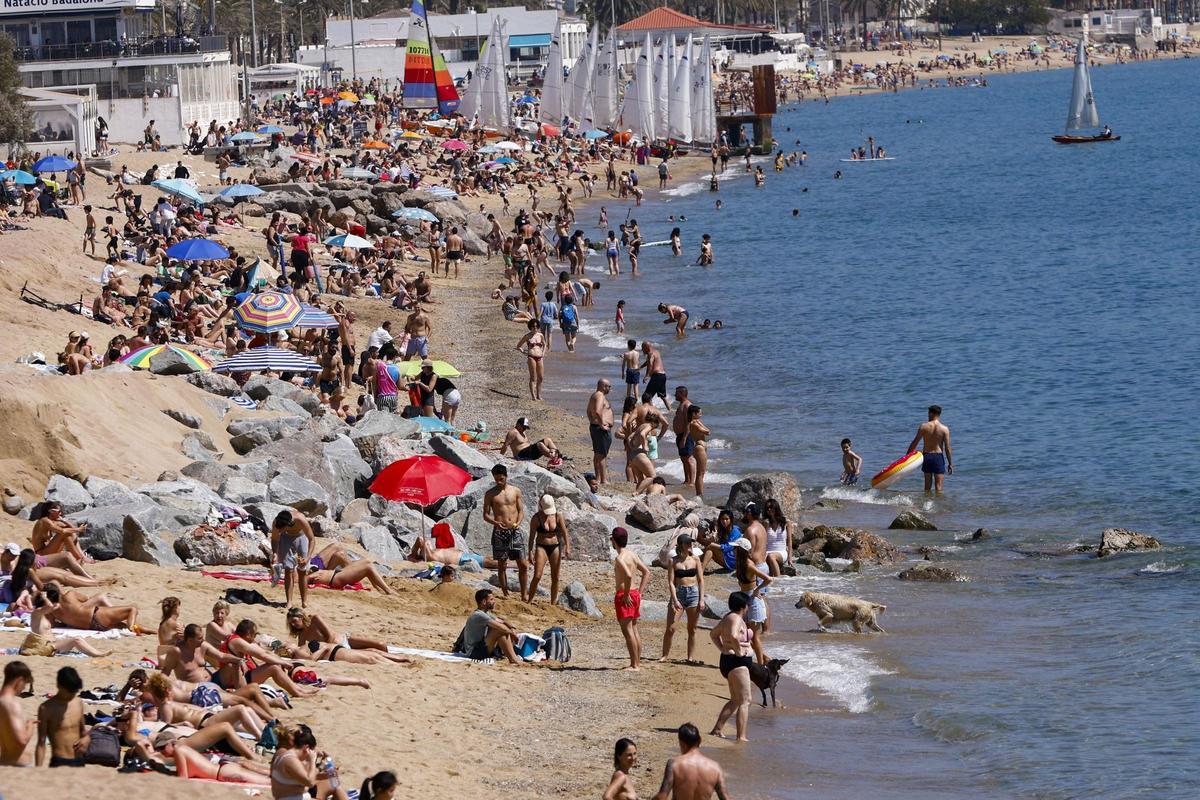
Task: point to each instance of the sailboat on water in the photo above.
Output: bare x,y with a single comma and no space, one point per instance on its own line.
1082,114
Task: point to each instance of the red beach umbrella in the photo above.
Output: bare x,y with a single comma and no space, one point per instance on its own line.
422,480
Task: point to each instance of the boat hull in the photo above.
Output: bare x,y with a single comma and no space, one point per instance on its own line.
1084,139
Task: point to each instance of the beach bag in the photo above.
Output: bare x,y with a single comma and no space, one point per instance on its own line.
527,645
568,315
556,645
206,695
104,748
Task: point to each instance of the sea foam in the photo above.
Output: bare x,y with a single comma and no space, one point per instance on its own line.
868,496
843,672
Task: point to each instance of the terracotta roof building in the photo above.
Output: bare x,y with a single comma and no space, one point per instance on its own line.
663,21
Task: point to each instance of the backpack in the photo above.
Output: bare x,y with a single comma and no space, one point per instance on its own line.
568,315
557,645
104,748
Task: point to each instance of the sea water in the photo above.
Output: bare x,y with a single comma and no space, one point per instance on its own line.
1045,296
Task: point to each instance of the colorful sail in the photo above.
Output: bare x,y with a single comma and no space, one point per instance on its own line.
447,95
420,88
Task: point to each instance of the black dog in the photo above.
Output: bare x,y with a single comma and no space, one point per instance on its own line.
765,677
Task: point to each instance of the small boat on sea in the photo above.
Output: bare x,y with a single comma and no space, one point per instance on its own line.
1082,114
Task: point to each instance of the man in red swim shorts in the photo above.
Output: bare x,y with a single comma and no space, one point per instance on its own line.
628,600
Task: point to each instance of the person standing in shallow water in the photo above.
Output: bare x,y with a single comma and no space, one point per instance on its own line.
938,461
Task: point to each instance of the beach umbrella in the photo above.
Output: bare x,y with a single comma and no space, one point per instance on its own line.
550,130
442,368
506,160
268,312
943,57
421,480
349,97
376,145
348,240
489,149
367,101
53,164
197,250
143,356
245,137
270,129
19,176
180,188
415,214
241,190
326,101
411,135
596,133
314,317
434,425
259,359
358,173
244,401
455,144
442,191
507,145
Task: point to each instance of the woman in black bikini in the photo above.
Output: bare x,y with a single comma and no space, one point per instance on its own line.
548,530
732,637
685,575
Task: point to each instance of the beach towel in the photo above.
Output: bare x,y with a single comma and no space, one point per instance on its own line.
257,576
458,658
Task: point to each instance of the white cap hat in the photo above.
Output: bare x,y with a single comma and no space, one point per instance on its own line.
546,504
743,543
13,547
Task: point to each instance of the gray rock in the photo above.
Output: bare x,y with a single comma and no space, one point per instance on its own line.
170,362
69,493
209,473
140,544
260,387
13,504
715,607
266,511
254,470
472,243
252,432
590,533
242,491
306,400
292,489
392,448
865,546
375,425
654,610
450,212
329,426
284,405
1120,540
576,597
826,504
350,473
911,521
220,406
379,542
814,560
760,487
355,511
183,417
653,513
215,383
193,446
109,493
514,581
462,455
184,488
105,530
927,572
232,548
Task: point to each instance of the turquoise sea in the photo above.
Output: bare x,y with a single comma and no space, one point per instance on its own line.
1046,297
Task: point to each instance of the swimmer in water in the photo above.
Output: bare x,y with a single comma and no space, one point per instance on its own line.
795,212
706,251
837,176
718,205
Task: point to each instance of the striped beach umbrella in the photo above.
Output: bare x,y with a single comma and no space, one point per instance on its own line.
358,174
314,317
261,359
141,358
268,312
270,129
197,250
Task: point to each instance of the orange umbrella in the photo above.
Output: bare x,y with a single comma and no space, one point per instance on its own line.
351,96
326,101
376,145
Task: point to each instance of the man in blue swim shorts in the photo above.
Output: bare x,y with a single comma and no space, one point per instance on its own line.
938,460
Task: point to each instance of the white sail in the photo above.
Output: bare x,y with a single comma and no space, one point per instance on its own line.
1082,113
604,86
637,110
680,127
487,95
469,106
551,107
704,109
578,103
662,82
669,50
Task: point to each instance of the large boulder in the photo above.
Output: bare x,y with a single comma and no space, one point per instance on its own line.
199,446
462,455
911,521
760,487
349,472
289,488
263,176
172,362
209,473
653,513
867,547
356,511
185,418
260,387
241,491
590,533
715,607
105,531
379,541
375,425
140,544
450,212
924,571
329,427
215,383
833,539
251,432
815,559
229,547
69,493
1119,540
472,243
392,448
284,405
577,598
184,502
109,493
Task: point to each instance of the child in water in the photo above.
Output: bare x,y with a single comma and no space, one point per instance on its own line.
620,316
706,251
851,464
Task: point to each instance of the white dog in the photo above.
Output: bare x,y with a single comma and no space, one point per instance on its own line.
831,608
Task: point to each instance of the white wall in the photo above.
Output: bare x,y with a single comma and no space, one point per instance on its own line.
127,118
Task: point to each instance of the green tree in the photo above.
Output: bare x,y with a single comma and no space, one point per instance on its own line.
14,120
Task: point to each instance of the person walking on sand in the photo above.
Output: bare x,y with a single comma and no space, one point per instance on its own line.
628,600
292,541
938,461
533,345
600,424
504,510
15,731
656,375
691,775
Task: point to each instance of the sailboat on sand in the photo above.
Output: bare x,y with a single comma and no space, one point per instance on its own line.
1082,114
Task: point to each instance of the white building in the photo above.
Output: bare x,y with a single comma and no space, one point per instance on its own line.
1102,24
379,42
137,76
63,121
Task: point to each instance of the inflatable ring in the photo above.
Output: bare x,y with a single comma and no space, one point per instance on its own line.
897,469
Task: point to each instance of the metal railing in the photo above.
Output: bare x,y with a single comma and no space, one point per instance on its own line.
160,46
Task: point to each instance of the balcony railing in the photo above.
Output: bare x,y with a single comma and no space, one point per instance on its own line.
161,46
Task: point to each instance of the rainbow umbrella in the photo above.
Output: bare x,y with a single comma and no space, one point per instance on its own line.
268,312
141,358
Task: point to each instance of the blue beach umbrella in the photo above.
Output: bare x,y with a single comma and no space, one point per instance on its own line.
53,164
179,188
244,136
432,424
18,176
349,240
241,190
506,160
596,133
442,191
258,359
491,148
197,250
269,129
415,214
